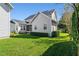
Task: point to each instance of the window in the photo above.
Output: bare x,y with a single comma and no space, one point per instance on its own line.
29,27
23,27
45,26
35,27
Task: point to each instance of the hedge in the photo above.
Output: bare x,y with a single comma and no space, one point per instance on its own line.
54,34
39,34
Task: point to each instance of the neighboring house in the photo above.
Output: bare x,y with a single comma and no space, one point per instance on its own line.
5,9
18,26
13,26
42,22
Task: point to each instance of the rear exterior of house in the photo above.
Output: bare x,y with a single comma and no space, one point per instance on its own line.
5,20
43,22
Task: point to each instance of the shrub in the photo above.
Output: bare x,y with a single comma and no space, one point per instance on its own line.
39,34
12,34
61,49
55,33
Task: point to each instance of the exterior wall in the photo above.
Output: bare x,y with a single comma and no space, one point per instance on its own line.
20,26
12,27
17,28
54,17
42,19
4,23
39,22
53,28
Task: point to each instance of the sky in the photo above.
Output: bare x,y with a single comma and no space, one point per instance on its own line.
23,10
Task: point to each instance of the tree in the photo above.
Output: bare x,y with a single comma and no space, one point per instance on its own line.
74,23
67,20
76,12
62,25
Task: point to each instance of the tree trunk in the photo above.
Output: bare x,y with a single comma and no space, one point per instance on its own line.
74,31
78,37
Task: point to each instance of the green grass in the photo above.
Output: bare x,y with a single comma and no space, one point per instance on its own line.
27,45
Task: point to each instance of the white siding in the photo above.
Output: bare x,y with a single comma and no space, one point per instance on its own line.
53,28
54,16
22,26
39,22
42,19
4,23
12,27
17,27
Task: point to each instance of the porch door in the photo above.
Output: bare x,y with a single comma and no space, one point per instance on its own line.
29,27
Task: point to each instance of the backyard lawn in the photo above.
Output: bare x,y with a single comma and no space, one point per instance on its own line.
28,45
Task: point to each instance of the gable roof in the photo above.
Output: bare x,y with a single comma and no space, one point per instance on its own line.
18,21
35,17
32,17
48,13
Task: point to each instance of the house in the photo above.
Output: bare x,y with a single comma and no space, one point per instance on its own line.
12,26
42,22
5,9
17,26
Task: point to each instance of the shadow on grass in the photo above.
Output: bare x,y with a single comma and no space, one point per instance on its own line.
25,36
61,49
